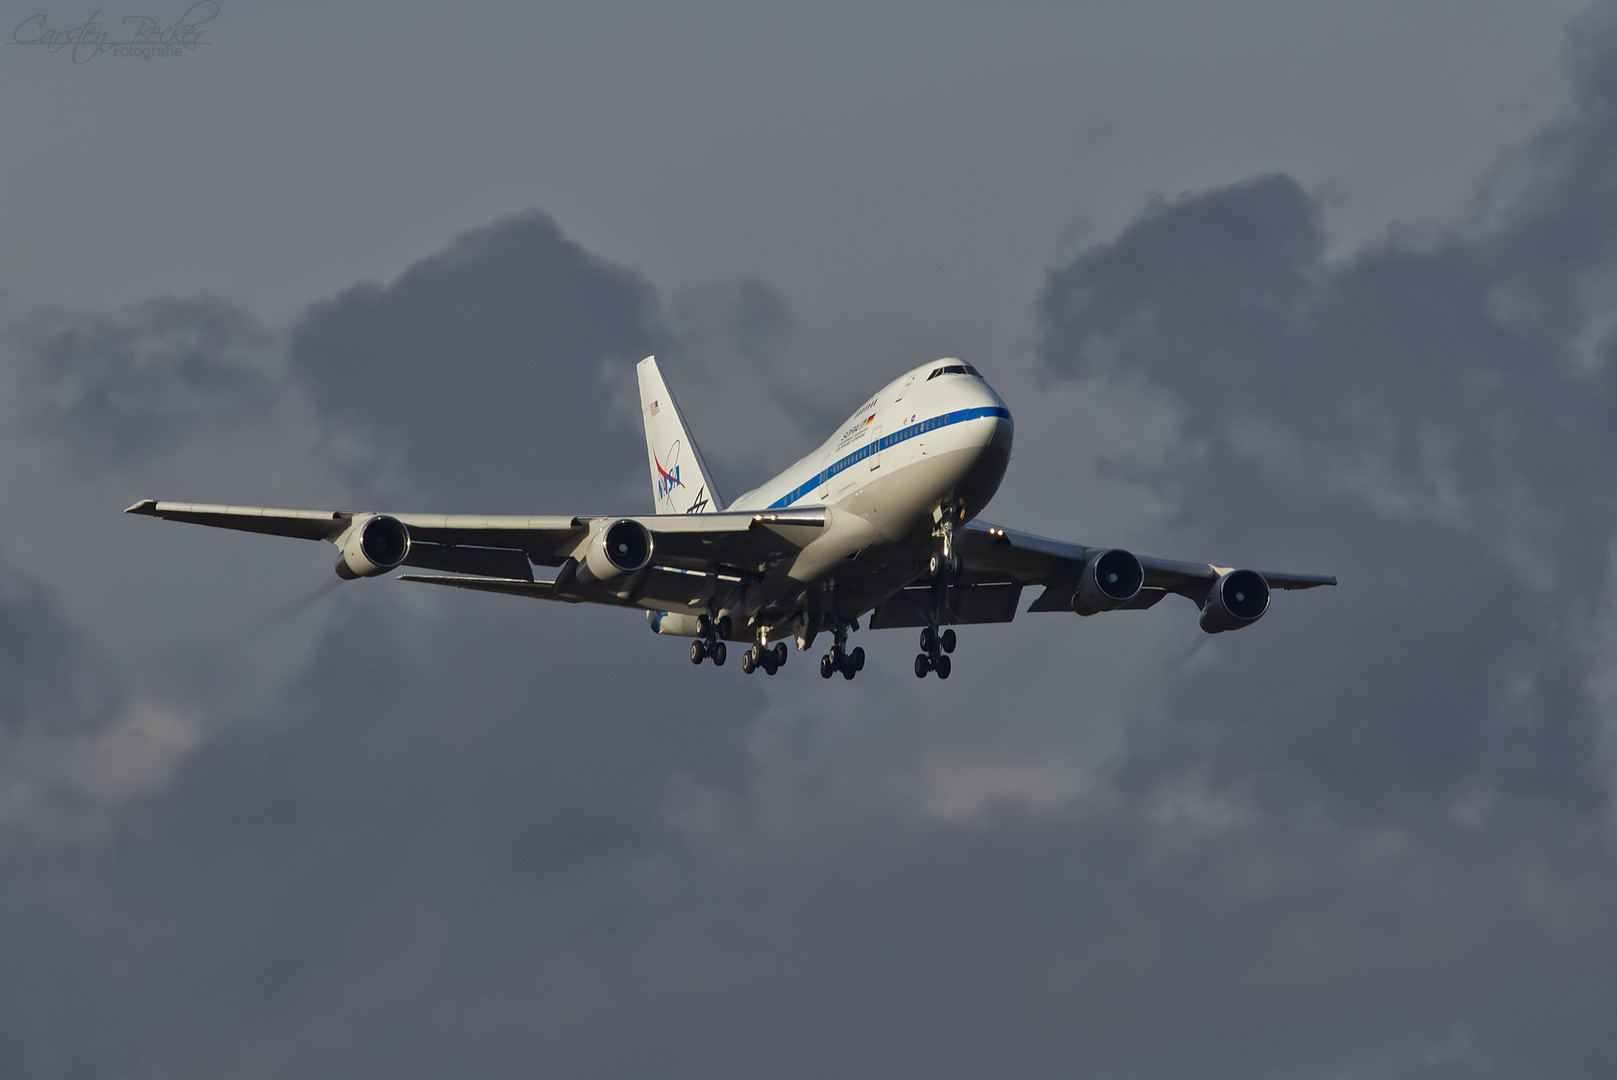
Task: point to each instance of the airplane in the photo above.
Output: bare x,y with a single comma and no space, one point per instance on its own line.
879,523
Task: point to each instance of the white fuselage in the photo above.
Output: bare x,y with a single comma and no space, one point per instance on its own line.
922,442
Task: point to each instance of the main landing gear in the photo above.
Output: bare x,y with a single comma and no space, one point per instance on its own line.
934,654
840,659
762,656
711,643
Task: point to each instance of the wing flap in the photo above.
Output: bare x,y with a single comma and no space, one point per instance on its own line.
1059,598
506,563
1297,581
963,604
542,590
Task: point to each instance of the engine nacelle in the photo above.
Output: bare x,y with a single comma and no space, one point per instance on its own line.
620,548
1238,599
1110,580
372,546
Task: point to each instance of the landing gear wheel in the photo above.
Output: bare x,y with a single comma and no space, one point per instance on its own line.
749,663
698,652
769,665
717,651
827,668
837,657
780,654
956,565
929,639
724,626
934,565
857,658
944,665
922,665
947,640
849,671
704,626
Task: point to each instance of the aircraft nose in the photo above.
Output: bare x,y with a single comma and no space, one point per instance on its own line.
998,434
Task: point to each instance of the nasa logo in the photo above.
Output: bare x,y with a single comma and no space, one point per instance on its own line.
667,476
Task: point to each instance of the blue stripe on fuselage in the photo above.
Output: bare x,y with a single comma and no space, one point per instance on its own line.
886,441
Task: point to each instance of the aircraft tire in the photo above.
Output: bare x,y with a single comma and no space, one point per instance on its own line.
947,640
929,639
697,652
827,667
780,654
858,657
748,663
922,665
718,651
849,671
943,665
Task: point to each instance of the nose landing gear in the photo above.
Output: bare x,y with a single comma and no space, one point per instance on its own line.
936,646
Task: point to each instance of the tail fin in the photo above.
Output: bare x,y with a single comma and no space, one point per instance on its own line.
679,478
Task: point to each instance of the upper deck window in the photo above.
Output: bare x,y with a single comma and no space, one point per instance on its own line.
953,369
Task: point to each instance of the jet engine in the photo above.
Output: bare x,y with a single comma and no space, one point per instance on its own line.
621,548
372,546
1110,580
1238,599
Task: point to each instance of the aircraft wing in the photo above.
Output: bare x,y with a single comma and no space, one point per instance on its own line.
500,548
994,553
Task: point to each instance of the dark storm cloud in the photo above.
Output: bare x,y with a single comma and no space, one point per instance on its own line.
447,794
1393,415
477,375
1394,770
1431,418
117,387
48,677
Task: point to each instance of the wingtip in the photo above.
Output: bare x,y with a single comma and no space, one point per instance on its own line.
145,506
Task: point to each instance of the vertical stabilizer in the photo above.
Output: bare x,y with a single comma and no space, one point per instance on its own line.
680,481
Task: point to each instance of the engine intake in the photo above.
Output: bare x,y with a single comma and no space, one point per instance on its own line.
1238,599
621,548
373,546
1110,580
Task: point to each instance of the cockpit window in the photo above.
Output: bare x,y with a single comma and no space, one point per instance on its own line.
953,369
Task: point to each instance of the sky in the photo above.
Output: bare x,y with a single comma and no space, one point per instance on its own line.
1329,288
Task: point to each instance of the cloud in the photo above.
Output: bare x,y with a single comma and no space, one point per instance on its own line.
1369,836
474,376
1422,418
75,754
115,387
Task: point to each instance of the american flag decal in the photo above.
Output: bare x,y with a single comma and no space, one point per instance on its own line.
653,408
